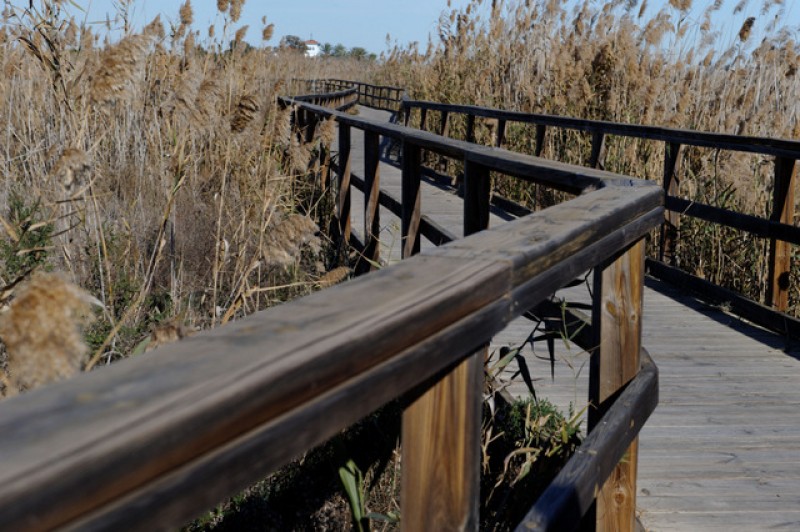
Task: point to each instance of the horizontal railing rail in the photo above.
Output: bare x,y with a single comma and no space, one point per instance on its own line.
153,440
779,227
376,96
478,161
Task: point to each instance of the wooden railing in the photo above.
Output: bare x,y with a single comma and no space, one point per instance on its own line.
375,96
151,441
778,227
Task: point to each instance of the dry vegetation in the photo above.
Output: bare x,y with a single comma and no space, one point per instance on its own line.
155,172
625,62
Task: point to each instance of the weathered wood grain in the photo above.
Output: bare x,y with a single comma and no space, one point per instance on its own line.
780,252
617,323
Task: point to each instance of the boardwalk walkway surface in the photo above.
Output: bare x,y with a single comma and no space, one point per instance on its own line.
722,450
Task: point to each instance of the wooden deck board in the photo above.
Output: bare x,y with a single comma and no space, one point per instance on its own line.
722,450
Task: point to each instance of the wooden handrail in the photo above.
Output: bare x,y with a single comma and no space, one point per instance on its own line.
376,96
151,441
778,227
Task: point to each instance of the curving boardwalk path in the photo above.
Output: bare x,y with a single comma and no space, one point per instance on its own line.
722,450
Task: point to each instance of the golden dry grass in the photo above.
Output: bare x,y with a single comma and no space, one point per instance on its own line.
614,61
153,172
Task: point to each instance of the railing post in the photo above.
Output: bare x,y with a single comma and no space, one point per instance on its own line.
541,129
440,487
343,204
423,116
780,252
501,133
372,188
470,128
410,194
617,326
477,193
672,220
598,150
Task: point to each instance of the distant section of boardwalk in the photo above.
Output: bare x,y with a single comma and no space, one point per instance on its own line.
722,450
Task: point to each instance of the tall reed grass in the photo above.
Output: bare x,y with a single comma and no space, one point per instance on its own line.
152,170
622,62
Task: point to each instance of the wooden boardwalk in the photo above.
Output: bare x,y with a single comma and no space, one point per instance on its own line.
722,450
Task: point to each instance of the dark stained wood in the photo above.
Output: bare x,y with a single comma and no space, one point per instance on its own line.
106,433
444,124
411,200
765,145
671,183
476,198
499,137
617,323
598,150
745,222
423,118
343,203
470,136
780,252
372,180
541,130
441,452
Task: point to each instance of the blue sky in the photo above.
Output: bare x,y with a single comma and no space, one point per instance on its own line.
366,23
362,23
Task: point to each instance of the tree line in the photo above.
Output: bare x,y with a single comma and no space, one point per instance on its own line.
329,50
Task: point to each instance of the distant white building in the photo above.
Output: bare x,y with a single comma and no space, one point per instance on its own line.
313,48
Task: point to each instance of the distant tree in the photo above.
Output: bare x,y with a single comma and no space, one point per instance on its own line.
339,50
293,42
358,53
327,49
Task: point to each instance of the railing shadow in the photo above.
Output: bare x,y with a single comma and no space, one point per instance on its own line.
728,320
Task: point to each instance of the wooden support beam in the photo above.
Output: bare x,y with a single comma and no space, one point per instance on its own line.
780,252
372,188
541,129
617,325
423,117
443,127
470,128
411,201
596,159
441,452
672,220
501,133
343,203
476,197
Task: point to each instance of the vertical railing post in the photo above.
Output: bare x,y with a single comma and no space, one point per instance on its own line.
410,194
541,129
343,203
423,117
372,187
598,150
672,220
477,194
501,133
780,252
470,128
442,428
617,326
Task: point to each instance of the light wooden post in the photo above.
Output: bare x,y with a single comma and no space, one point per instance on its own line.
372,187
410,194
343,203
440,486
442,428
672,220
617,326
780,252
